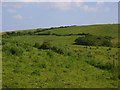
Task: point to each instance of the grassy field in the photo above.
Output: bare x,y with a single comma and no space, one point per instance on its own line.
63,64
106,29
102,30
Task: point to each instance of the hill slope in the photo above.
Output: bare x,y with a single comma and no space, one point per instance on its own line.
35,59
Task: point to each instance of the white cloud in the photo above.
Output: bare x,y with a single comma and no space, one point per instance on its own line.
13,7
62,5
18,16
66,4
82,5
99,6
88,8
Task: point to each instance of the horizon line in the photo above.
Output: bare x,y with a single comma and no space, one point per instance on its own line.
57,26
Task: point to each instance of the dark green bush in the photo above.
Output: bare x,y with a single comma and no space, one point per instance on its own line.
117,45
108,49
108,66
5,35
106,43
46,45
4,41
57,50
38,29
119,76
91,40
14,50
37,45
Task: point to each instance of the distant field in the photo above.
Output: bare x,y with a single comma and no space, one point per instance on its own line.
108,29
29,62
60,40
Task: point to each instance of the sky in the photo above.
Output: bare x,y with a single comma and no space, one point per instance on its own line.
29,15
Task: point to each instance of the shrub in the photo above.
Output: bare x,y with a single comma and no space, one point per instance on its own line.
13,33
38,30
57,50
106,43
118,75
92,40
108,66
37,45
83,33
46,45
4,41
14,50
108,49
117,45
5,35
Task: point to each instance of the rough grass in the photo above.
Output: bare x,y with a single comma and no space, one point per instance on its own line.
76,67
49,69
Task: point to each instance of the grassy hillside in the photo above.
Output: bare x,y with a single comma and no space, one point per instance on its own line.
29,62
105,29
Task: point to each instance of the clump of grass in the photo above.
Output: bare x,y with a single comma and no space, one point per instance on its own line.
35,72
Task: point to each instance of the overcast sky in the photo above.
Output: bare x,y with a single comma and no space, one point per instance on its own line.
28,15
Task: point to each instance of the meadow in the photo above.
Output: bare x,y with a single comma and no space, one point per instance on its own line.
49,58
